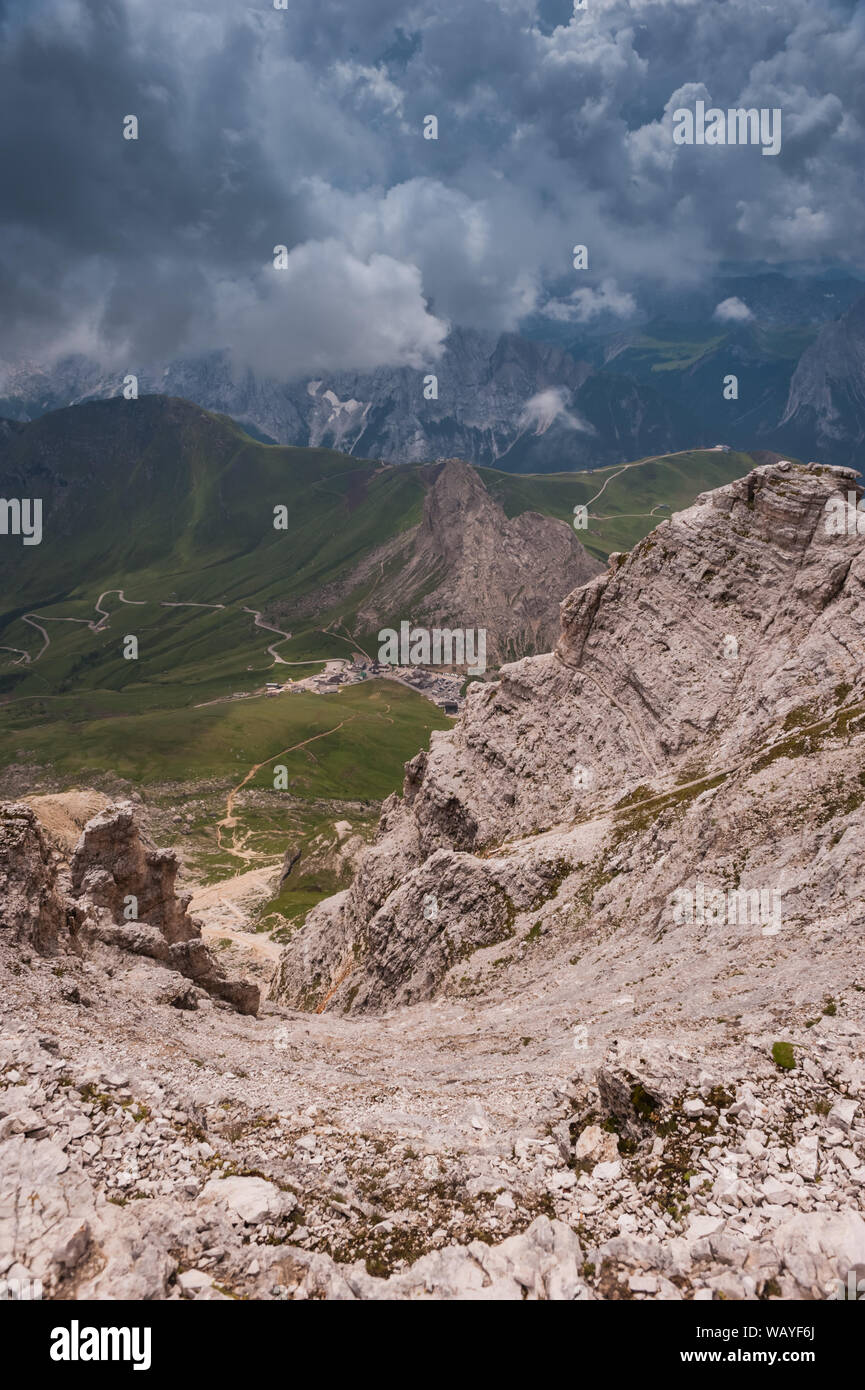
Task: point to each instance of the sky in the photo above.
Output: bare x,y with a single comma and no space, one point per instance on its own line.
303,128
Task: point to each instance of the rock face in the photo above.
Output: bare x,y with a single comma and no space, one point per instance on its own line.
826,402
467,565
118,890
701,719
31,908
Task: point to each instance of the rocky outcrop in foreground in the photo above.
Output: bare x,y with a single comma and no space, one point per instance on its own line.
116,891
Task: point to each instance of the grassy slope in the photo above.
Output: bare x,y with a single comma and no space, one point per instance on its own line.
384,724
168,502
174,504
185,499
355,745
670,483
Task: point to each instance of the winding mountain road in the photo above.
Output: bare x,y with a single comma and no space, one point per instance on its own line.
98,624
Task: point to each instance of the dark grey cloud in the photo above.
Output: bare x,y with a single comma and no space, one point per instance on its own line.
302,127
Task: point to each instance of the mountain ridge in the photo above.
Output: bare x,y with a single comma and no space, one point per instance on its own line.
524,404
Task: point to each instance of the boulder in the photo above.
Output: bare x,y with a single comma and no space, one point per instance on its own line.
820,1248
252,1199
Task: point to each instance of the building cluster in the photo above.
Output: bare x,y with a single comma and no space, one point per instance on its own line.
441,687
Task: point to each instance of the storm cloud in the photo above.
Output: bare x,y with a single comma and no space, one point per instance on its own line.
303,128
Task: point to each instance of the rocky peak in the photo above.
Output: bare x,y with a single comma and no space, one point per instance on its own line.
707,623
468,565
457,490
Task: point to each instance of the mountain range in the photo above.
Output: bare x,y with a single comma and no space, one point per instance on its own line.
572,399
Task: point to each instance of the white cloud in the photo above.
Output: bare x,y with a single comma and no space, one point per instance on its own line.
473,271
586,304
549,407
329,310
732,310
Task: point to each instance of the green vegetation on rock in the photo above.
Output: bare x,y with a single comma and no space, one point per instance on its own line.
782,1056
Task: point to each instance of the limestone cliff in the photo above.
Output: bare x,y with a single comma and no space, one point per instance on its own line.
702,715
